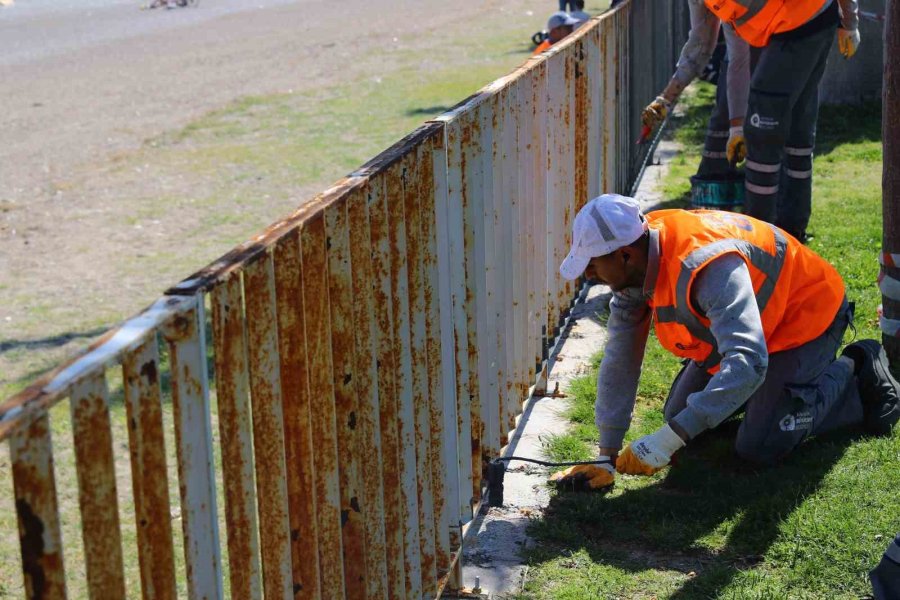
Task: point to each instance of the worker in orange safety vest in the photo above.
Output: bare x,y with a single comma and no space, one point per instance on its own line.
559,25
792,39
758,318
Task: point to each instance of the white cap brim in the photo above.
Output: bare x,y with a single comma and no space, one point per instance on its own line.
573,266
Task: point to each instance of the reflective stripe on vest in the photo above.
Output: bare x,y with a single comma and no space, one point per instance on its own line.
768,264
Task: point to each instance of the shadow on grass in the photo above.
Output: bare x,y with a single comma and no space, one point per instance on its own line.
711,514
54,341
847,124
428,111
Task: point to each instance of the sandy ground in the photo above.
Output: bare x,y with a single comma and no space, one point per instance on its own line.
85,83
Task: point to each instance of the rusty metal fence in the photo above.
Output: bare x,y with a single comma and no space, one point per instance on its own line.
370,353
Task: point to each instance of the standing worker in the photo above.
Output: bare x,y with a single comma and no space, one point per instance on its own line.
716,183
758,318
795,38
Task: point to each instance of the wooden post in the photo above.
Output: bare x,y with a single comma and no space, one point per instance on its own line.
890,202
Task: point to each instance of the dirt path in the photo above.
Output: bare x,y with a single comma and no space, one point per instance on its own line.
82,89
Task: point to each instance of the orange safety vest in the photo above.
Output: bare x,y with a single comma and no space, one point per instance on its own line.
798,293
545,45
757,20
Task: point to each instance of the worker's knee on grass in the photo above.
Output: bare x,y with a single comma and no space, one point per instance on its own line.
762,450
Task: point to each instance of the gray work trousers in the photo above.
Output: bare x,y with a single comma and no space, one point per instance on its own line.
805,392
714,161
780,129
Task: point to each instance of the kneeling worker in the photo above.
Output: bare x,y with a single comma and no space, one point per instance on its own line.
758,317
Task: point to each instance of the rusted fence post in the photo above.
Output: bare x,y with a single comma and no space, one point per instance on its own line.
890,199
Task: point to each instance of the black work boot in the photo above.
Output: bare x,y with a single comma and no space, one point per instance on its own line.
879,391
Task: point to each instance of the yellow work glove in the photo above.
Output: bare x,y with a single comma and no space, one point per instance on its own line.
736,151
848,41
656,112
649,454
586,477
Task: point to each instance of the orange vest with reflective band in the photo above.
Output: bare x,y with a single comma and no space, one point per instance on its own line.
757,20
797,291
545,45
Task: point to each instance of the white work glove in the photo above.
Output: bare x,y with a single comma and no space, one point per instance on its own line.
848,41
736,151
655,112
649,454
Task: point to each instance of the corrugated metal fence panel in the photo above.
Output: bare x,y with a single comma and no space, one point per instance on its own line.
432,161
508,340
387,385
297,409
322,416
366,382
467,434
89,404
235,423
594,109
268,432
453,358
340,285
149,478
412,568
416,184
37,509
193,434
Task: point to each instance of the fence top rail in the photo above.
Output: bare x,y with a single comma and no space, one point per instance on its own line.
18,411
390,156
495,86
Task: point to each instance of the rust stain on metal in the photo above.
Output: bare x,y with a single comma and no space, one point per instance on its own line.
232,391
394,189
365,383
37,511
471,130
434,366
268,432
388,398
149,476
296,402
581,133
340,288
97,488
318,346
413,198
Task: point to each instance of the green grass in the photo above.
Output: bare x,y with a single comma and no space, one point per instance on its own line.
711,526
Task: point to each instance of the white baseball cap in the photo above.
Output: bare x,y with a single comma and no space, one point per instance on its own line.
601,227
558,19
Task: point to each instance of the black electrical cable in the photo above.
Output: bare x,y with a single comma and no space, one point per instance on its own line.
545,463
497,470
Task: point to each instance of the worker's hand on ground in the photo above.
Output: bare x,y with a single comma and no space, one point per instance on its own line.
649,454
848,41
736,151
656,112
586,477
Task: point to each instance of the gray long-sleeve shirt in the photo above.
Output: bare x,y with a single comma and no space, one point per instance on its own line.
698,49
724,292
701,42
